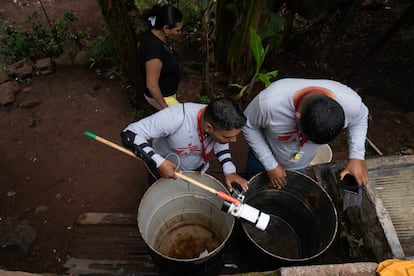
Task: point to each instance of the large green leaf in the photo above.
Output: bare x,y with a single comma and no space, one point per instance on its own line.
257,47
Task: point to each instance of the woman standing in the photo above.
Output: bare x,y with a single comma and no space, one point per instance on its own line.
159,60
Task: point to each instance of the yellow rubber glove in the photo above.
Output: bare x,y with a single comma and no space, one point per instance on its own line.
396,267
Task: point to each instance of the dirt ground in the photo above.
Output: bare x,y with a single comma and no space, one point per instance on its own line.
50,172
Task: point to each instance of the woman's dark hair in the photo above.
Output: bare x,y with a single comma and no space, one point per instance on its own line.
321,119
159,16
225,113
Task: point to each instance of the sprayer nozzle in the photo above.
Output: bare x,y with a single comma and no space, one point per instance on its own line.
263,221
249,213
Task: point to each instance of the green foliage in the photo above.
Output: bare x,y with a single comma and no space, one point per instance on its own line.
191,15
141,112
191,10
234,20
360,242
15,44
103,51
148,4
259,53
113,72
271,29
239,30
35,39
204,99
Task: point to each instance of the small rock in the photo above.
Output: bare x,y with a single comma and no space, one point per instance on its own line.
13,233
27,89
41,209
30,101
43,63
59,196
21,69
3,76
64,59
8,92
83,58
11,193
32,122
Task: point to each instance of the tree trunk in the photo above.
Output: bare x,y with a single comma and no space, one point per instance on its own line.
224,26
119,26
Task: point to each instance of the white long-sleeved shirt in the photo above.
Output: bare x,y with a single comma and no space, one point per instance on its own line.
271,126
175,130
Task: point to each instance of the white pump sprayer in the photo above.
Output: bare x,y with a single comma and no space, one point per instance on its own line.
241,210
258,218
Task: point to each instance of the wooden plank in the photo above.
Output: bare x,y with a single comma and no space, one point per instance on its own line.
89,218
82,266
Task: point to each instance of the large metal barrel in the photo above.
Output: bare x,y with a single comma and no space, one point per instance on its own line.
184,227
303,220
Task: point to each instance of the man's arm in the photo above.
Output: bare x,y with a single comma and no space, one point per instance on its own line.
160,124
257,120
223,154
357,132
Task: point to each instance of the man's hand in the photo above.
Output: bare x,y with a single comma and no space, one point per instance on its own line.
234,177
358,169
277,176
167,169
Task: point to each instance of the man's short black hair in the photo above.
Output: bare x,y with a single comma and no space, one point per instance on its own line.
322,119
225,113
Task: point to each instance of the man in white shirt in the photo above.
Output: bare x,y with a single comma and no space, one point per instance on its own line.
288,121
185,136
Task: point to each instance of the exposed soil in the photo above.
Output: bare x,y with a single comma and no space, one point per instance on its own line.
50,172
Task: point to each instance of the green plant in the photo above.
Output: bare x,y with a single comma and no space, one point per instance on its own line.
259,54
191,15
104,52
360,242
15,44
51,38
141,112
113,72
34,39
204,99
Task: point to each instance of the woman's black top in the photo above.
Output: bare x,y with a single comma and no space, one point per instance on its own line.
152,47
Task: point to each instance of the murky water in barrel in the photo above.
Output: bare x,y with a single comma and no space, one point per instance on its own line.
303,218
188,242
279,238
291,224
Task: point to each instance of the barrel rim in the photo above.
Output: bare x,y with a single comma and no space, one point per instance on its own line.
298,259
